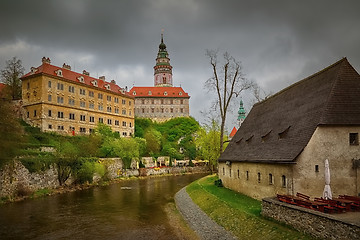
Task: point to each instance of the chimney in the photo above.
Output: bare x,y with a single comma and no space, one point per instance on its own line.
113,82
45,60
68,67
102,78
86,73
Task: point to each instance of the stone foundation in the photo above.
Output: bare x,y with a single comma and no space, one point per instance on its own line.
317,224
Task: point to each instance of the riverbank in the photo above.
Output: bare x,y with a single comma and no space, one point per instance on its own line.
25,193
237,213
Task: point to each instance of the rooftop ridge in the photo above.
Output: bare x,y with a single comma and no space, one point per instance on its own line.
303,80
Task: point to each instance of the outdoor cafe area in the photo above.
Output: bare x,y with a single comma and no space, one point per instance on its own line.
341,204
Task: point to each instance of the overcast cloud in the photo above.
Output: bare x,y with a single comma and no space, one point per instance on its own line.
278,42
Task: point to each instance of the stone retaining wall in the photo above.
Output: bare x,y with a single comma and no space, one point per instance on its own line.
317,224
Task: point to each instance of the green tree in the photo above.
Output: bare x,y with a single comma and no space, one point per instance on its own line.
11,74
10,132
153,141
208,143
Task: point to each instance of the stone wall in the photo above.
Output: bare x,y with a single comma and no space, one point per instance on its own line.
317,224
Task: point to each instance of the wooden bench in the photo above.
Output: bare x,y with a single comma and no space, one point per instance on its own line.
303,196
333,205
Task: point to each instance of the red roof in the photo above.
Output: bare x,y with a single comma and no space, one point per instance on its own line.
233,131
158,92
74,76
2,86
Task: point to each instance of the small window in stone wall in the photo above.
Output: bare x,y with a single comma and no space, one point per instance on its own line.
230,172
238,172
283,181
270,179
247,175
259,177
354,138
316,168
224,171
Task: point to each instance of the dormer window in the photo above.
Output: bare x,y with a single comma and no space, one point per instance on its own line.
134,93
150,93
284,133
33,69
94,83
107,86
264,137
165,93
180,93
81,79
59,73
249,139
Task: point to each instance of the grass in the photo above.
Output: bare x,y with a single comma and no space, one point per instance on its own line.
41,193
238,213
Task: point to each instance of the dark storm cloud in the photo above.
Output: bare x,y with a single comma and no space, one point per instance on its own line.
278,42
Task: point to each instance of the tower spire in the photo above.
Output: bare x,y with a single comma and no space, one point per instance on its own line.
162,69
241,113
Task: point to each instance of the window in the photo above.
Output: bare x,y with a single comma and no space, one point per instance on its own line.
152,101
142,101
108,109
316,168
129,103
162,101
117,122
100,96
82,117
124,124
71,89
28,114
224,171
152,110
143,110
91,119
270,179
130,124
124,134
60,99
259,177
171,101
49,98
162,110
28,85
101,120
60,128
171,110
230,172
71,102
238,172
283,181
354,138
100,106
108,98
35,113
82,91
116,110
72,116
116,99
49,84
49,113
60,86
50,126
82,104
124,101
60,114
109,121
181,101
91,130
123,112
91,105
181,110
247,175
82,130
91,94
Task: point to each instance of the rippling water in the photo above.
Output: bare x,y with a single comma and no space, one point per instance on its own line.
107,212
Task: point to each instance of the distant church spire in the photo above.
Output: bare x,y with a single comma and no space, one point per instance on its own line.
241,113
162,69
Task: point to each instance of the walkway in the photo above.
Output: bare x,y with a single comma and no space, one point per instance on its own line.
205,227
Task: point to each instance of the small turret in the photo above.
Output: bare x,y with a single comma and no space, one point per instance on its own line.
241,113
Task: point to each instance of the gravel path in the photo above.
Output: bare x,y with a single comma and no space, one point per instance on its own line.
205,227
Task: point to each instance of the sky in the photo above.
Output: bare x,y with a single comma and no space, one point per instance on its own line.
278,42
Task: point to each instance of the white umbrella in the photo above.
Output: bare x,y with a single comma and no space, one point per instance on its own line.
327,190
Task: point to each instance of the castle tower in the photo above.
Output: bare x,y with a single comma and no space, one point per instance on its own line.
241,113
162,69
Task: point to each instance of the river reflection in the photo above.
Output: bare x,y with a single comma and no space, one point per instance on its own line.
99,213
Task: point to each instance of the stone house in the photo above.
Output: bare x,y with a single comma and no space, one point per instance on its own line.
56,99
282,145
163,101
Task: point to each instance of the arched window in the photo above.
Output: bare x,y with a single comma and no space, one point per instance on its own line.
283,181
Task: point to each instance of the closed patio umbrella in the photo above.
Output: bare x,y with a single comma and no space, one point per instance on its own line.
327,190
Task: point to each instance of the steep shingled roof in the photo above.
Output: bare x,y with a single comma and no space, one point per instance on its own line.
279,128
69,75
166,92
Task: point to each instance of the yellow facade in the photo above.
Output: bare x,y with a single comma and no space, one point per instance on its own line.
55,104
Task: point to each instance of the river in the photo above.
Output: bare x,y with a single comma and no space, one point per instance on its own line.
108,212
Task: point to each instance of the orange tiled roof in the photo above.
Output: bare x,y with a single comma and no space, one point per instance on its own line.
233,131
159,92
74,76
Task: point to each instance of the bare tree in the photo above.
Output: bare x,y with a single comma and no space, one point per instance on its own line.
11,77
228,81
259,93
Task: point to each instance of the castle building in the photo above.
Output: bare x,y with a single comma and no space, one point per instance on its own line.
163,101
282,145
56,99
